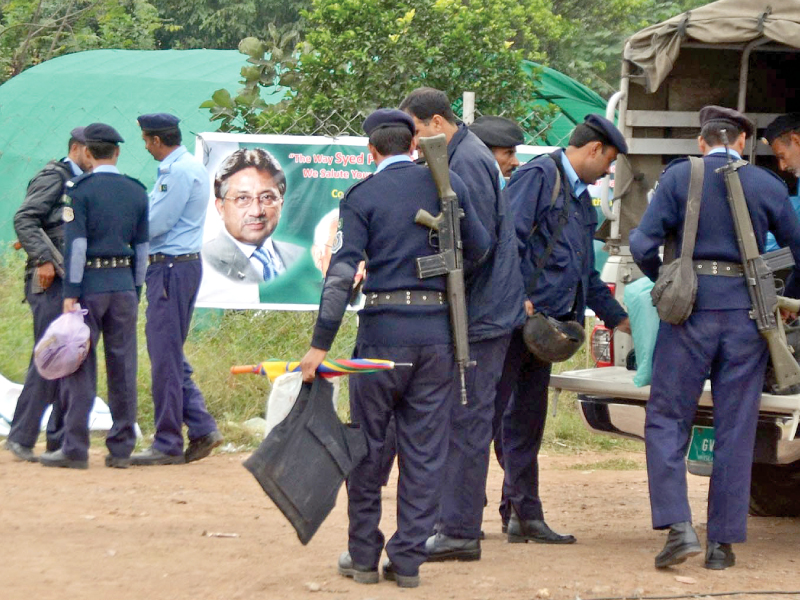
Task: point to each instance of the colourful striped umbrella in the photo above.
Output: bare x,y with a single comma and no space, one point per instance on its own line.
328,368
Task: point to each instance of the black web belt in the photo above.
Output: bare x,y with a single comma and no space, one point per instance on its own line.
406,298
108,262
718,267
157,258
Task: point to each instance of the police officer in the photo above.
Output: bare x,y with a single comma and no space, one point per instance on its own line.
105,261
783,134
561,288
495,297
405,319
177,213
719,337
502,136
40,231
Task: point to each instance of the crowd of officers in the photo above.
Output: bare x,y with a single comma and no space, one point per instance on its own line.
94,238
527,248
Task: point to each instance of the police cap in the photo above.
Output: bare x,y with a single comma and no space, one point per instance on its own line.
100,132
608,130
158,121
78,134
498,132
781,125
388,117
722,116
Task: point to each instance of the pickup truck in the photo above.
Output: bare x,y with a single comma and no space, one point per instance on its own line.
743,54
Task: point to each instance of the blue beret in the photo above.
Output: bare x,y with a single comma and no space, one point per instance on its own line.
722,115
100,132
608,130
498,132
78,134
388,117
781,125
158,121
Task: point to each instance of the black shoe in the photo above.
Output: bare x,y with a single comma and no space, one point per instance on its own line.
358,573
719,556
681,543
443,547
202,446
151,457
117,462
21,452
534,530
403,581
59,459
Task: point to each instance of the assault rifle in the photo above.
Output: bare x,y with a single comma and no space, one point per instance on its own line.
448,261
758,273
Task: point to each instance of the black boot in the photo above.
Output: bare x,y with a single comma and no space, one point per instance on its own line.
681,543
534,530
719,556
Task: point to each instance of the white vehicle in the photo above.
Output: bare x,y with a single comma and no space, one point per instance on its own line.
737,53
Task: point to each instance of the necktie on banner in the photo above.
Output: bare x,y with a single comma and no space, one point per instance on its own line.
271,269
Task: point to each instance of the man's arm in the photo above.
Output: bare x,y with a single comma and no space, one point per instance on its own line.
43,194
75,246
524,193
168,200
141,247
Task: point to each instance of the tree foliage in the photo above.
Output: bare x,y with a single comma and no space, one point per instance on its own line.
32,31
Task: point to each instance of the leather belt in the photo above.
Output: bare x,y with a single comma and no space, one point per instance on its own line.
718,267
108,262
406,298
157,258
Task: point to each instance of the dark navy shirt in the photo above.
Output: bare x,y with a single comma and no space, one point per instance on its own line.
377,222
569,281
770,210
494,289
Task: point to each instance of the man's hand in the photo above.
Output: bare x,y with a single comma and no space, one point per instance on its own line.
45,273
70,305
310,362
529,308
624,326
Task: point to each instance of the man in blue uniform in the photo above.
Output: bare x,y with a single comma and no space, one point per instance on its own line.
405,319
104,263
783,135
40,230
501,136
177,213
562,287
718,338
494,306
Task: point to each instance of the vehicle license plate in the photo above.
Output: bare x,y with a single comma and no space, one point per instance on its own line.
701,447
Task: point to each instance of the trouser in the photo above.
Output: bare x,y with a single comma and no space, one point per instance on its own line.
726,344
171,294
38,393
463,494
524,387
420,399
114,315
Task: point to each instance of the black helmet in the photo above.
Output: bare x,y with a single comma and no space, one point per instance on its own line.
551,340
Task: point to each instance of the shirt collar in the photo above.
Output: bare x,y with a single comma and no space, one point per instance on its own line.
397,158
76,170
106,169
248,249
575,182
721,150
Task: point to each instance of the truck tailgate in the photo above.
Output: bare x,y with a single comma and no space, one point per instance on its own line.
617,382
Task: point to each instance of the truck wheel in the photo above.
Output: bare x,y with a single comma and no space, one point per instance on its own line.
775,490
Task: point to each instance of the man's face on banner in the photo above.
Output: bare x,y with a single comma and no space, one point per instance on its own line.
251,207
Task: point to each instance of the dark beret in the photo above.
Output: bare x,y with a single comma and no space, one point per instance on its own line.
781,125
100,132
608,130
158,121
498,132
388,117
722,116
78,134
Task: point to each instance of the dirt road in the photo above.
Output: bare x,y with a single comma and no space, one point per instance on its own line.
153,534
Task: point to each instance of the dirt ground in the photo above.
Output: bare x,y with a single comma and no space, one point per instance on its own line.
154,533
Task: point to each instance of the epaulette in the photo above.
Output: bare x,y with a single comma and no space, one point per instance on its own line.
674,162
774,174
77,180
358,183
133,179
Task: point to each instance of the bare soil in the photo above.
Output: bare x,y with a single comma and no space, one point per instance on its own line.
206,531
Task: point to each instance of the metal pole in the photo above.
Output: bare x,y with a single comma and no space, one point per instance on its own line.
468,114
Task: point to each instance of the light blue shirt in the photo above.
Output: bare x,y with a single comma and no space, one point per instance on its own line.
178,204
721,150
76,170
106,169
397,158
578,186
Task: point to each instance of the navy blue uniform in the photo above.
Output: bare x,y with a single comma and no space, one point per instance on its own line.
377,219
106,218
495,307
718,338
567,285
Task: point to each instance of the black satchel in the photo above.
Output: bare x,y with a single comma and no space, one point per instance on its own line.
675,289
303,461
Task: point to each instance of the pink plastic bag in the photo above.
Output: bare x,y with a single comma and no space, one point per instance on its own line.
64,346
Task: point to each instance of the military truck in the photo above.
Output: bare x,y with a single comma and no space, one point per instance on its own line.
743,54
